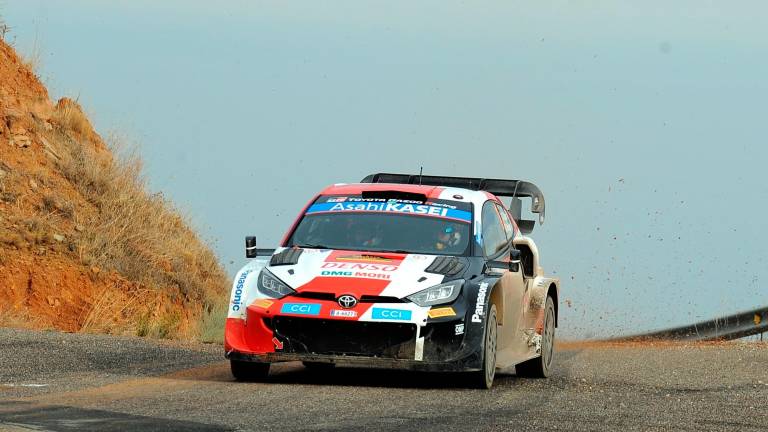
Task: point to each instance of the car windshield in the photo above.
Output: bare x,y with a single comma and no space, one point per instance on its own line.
436,227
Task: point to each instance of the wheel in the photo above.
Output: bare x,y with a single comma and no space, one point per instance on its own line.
540,367
484,378
249,371
318,366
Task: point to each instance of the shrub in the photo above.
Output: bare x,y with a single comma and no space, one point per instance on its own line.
69,115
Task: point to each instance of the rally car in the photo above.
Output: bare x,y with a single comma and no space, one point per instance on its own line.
400,271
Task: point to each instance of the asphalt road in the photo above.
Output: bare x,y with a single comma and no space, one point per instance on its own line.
72,382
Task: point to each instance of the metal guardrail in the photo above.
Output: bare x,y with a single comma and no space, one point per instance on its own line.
723,328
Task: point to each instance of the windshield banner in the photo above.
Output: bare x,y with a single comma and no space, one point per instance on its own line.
392,206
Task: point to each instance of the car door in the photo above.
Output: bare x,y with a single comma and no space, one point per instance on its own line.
496,246
523,307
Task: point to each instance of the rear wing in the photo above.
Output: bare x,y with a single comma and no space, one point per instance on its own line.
502,188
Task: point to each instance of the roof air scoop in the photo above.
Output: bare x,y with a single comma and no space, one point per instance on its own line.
394,195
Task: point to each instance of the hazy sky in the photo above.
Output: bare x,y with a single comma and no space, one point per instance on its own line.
643,122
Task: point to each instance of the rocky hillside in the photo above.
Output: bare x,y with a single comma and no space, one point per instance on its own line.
83,245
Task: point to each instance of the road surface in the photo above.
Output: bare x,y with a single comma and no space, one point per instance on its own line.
53,381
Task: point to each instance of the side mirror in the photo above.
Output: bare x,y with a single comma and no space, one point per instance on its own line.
250,247
513,265
515,256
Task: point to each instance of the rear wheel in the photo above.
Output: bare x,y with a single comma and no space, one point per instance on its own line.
541,366
484,378
249,371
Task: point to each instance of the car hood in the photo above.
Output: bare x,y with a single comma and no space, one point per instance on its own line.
380,274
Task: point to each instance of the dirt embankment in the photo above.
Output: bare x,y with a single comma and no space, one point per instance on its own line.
83,245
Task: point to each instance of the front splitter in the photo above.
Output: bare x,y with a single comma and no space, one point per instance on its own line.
356,361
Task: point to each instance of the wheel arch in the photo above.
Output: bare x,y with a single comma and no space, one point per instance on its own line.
552,291
497,298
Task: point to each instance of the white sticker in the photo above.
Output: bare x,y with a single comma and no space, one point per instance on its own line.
343,313
459,329
480,305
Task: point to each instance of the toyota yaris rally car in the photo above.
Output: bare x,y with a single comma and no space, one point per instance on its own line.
400,271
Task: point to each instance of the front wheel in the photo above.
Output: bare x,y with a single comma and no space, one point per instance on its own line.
249,371
541,367
484,378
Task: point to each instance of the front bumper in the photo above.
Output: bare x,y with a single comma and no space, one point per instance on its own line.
443,344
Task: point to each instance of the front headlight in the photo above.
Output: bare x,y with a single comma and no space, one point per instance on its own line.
438,294
272,286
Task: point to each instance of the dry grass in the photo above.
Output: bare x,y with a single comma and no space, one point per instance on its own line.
53,204
33,60
139,311
69,115
107,311
166,326
12,239
7,180
37,230
138,234
213,321
11,319
4,28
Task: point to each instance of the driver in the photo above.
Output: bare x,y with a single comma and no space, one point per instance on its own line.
365,236
449,236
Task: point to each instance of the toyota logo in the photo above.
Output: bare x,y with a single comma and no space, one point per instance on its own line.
347,301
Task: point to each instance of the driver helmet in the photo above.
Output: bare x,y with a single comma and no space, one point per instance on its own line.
448,236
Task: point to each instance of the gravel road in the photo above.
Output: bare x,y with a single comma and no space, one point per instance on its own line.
74,382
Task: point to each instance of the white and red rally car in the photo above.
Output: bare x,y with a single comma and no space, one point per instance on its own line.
400,271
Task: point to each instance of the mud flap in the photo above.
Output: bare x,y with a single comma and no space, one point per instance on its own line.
419,352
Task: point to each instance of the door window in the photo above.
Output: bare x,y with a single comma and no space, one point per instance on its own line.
494,237
508,227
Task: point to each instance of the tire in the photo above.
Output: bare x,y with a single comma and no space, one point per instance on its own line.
318,366
483,378
541,366
249,371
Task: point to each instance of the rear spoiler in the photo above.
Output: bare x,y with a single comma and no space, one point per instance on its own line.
502,188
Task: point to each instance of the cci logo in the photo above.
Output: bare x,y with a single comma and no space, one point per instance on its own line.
391,314
301,308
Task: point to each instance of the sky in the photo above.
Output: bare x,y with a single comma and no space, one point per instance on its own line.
642,122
